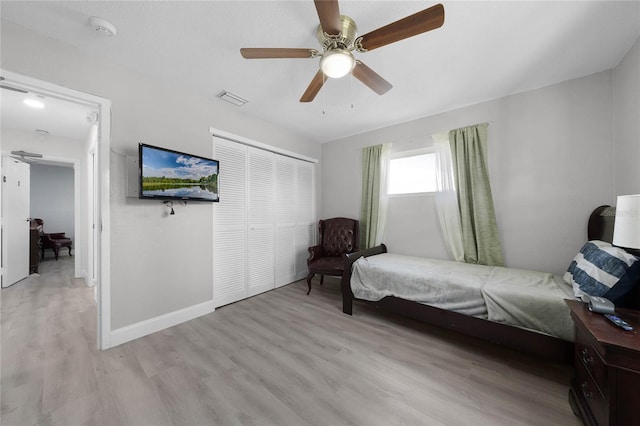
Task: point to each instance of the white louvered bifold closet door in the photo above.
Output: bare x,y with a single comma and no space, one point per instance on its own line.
285,254
264,223
305,215
260,194
230,224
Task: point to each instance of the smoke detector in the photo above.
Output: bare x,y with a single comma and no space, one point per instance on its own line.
103,26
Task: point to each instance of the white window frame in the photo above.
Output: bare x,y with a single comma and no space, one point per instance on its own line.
405,154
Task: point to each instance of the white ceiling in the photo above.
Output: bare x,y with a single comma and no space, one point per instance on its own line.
58,118
485,50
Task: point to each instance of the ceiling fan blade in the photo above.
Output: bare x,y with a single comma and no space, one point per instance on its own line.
313,88
371,78
418,23
265,53
329,14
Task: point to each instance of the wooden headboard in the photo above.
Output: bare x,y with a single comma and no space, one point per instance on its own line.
601,223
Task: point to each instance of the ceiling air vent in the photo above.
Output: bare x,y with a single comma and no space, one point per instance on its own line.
232,98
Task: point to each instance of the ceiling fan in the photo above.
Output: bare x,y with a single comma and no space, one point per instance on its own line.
338,36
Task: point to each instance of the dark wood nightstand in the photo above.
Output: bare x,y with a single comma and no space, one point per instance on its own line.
605,389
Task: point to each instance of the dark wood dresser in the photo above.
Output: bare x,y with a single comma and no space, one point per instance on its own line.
605,389
35,230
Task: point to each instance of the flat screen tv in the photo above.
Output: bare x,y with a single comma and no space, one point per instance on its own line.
165,174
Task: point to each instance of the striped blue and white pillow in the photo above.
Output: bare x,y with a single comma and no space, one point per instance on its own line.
597,268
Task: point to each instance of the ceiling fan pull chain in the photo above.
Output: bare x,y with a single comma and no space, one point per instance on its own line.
324,97
351,88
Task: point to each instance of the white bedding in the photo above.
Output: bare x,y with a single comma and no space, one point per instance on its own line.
527,299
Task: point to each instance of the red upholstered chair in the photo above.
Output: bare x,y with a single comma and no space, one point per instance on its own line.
337,237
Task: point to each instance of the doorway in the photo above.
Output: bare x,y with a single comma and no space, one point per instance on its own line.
93,191
57,201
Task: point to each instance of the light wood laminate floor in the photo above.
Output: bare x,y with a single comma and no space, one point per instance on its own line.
280,358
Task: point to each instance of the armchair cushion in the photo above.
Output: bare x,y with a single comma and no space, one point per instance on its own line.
338,236
329,266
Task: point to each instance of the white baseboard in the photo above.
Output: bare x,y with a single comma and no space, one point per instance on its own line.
87,279
143,328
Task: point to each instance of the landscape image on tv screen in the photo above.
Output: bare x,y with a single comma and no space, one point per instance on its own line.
168,174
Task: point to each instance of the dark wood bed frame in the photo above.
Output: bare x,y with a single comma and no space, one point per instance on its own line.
600,227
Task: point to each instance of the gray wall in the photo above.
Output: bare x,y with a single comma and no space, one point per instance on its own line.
626,85
159,264
52,198
550,159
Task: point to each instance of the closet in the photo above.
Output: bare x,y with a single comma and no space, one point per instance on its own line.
264,223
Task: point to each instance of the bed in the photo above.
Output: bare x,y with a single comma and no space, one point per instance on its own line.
479,301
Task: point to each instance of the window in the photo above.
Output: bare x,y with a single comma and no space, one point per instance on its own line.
412,172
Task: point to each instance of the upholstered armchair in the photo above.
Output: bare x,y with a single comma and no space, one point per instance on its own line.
54,241
337,237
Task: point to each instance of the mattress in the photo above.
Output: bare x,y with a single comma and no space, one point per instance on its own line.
522,298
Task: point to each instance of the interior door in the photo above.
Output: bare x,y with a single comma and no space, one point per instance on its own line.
15,220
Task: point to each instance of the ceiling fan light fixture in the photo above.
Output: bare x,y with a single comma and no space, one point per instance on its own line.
337,63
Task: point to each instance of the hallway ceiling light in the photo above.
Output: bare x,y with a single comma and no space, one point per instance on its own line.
34,103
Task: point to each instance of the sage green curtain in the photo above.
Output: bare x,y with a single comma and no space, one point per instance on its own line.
477,215
372,206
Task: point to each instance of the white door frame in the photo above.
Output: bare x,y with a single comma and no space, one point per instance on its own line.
103,200
93,219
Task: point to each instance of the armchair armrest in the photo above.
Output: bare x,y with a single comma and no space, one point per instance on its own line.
314,253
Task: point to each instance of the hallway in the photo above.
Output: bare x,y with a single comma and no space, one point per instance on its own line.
39,314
